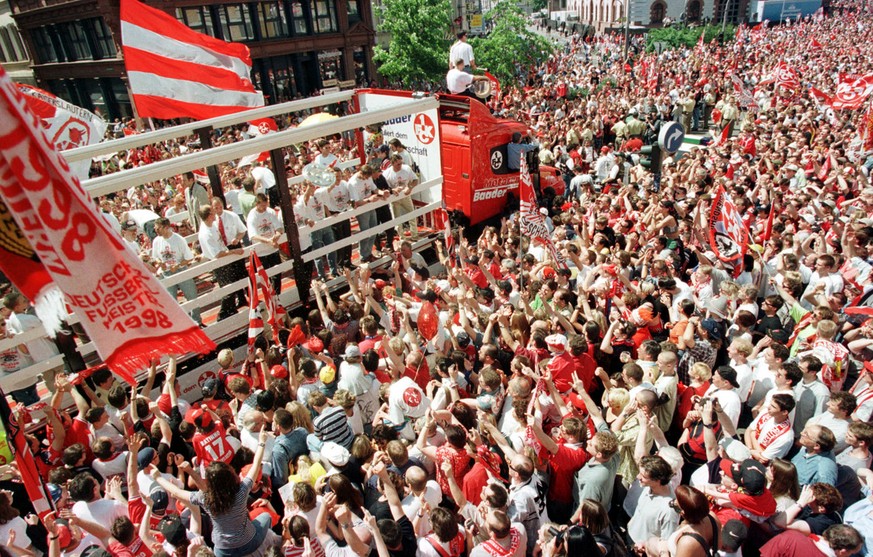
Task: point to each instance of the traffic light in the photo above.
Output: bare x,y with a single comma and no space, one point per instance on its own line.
650,158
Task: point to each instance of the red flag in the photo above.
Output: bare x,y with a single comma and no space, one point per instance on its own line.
824,169
786,77
725,135
700,41
852,93
532,221
17,448
260,289
728,236
819,95
175,72
768,230
126,312
814,43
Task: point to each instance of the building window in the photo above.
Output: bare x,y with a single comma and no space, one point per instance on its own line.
330,67
361,74
354,11
78,41
103,38
45,49
298,18
324,16
658,11
198,19
272,21
236,22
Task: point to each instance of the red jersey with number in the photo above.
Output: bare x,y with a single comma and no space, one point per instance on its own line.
137,548
212,447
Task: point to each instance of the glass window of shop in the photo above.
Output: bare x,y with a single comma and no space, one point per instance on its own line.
271,20
330,64
324,16
236,22
362,76
198,18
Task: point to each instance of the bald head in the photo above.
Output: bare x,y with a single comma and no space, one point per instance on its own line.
416,478
647,398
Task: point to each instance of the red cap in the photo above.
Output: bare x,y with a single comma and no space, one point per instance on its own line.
201,418
575,402
548,272
279,372
315,345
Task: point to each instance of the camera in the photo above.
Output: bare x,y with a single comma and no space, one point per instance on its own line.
558,533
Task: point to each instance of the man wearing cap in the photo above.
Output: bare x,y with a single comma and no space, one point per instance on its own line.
362,385
699,339
562,367
723,389
742,494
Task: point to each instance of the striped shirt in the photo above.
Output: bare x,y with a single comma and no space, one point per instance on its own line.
333,425
233,528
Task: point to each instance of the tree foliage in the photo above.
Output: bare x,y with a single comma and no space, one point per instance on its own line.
510,49
682,37
419,47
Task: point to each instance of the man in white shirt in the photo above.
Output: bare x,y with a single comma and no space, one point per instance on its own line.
265,181
213,247
196,197
462,50
402,180
458,81
232,231
723,389
362,190
38,349
770,435
265,227
170,255
338,201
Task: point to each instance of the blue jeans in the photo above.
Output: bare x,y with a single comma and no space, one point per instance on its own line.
321,238
189,290
366,221
262,524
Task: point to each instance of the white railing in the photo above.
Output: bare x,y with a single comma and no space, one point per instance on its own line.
125,179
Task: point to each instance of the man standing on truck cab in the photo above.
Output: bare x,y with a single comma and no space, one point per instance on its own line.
463,51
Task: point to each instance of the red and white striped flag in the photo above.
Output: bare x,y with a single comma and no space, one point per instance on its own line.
175,72
728,235
260,289
532,222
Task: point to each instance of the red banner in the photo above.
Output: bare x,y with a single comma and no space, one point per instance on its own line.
532,221
125,310
852,93
260,289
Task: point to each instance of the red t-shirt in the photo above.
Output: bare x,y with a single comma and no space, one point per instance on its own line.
585,368
460,465
563,368
474,481
213,446
789,544
80,432
563,465
137,548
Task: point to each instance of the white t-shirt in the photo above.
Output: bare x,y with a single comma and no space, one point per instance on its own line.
264,224
779,446
458,81
172,251
729,401
461,51
101,511
115,466
400,178
264,178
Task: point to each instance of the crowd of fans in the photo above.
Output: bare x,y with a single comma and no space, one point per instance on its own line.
640,396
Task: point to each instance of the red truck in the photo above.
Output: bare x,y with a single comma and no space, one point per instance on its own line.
463,142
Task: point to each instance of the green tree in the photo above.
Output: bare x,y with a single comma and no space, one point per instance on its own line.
419,48
680,36
510,49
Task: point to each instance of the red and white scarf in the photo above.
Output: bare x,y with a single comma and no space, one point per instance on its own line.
496,550
260,289
775,431
129,315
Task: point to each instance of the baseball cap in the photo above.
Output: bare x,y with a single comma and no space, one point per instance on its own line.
201,418
335,454
352,351
160,500
95,551
327,374
210,387
315,345
712,327
557,342
749,475
65,535
735,451
144,457
729,374
173,530
279,372
733,535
